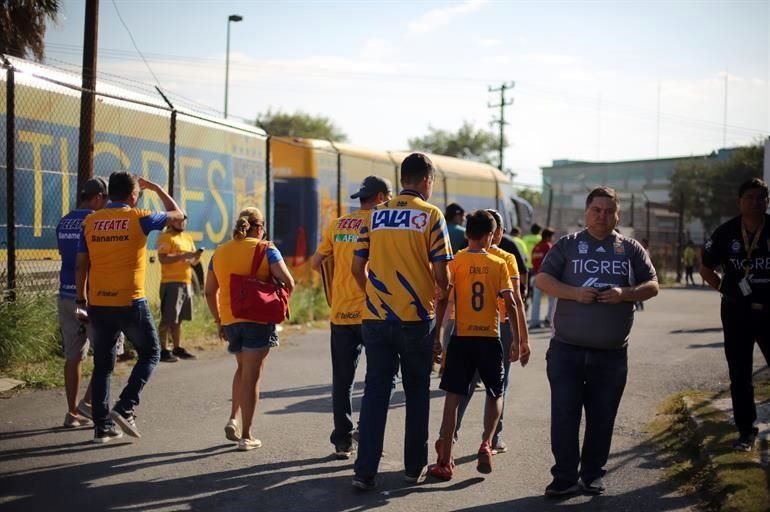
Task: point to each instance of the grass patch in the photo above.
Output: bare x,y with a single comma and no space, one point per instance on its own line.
30,346
30,341
307,304
696,439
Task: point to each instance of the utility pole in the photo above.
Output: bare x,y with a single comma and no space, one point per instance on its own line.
501,120
87,97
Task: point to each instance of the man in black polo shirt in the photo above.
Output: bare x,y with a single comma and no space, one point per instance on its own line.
740,249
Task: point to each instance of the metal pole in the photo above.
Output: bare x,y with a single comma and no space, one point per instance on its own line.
679,233
87,97
647,204
550,206
236,18
502,125
631,224
10,181
227,65
503,87
268,189
172,153
339,182
171,143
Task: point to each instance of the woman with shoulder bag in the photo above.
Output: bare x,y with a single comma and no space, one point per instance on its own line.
247,280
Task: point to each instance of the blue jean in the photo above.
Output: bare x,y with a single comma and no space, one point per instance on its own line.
506,338
388,345
107,324
346,345
537,296
590,379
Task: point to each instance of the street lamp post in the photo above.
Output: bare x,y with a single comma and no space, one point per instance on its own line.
235,18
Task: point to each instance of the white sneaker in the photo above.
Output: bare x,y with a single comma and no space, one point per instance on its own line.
84,409
75,421
247,443
233,431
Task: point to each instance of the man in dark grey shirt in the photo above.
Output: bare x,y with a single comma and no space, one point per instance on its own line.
596,275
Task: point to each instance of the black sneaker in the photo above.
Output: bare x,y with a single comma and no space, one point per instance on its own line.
594,487
167,357
105,436
745,442
344,451
416,477
126,421
181,353
363,483
558,489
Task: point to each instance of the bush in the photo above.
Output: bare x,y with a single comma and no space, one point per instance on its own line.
29,332
307,304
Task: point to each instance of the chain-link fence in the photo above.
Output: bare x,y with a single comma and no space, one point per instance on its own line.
211,167
656,223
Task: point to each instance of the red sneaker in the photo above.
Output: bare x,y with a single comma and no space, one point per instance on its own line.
441,471
484,464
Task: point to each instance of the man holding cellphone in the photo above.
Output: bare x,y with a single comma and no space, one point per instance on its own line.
597,275
177,256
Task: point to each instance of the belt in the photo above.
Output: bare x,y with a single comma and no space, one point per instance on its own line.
759,307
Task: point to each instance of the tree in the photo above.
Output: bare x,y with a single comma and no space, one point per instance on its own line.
467,142
22,26
534,197
299,124
710,188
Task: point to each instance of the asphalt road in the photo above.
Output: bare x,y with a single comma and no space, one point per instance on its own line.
183,461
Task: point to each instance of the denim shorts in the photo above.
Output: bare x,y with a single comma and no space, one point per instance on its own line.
250,336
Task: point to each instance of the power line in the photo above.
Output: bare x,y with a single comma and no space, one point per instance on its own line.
530,88
134,43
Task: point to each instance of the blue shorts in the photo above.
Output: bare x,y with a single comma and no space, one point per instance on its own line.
250,336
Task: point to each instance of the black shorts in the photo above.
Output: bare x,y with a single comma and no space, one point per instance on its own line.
465,356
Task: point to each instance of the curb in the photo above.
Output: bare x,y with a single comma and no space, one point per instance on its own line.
723,405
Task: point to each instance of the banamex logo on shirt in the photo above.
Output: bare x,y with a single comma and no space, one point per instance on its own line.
412,220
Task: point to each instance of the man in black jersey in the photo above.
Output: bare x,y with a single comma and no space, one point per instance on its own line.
740,250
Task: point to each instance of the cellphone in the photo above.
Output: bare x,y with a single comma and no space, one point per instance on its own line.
604,288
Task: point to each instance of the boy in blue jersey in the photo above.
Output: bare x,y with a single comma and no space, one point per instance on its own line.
92,197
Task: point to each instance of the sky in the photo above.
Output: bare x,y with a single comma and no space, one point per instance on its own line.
596,81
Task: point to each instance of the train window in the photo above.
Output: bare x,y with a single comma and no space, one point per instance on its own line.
282,223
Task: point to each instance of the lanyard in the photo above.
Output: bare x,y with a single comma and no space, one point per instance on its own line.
750,247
